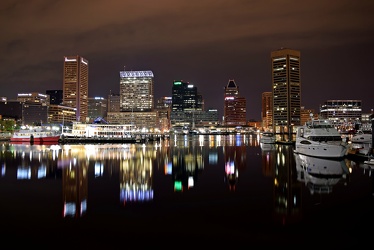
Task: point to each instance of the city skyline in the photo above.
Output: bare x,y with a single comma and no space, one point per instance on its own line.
206,43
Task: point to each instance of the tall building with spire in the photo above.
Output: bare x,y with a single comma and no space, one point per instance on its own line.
286,88
234,110
75,85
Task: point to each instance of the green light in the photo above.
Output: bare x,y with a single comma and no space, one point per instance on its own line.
178,186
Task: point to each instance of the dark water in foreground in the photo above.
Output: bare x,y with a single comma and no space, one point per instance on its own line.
183,192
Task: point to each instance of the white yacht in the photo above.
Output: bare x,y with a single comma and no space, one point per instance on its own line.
319,138
361,137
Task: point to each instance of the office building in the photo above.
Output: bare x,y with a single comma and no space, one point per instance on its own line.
34,97
136,101
136,91
186,101
286,89
344,114
11,109
97,108
113,102
163,107
266,111
307,114
55,96
185,97
75,85
234,110
58,114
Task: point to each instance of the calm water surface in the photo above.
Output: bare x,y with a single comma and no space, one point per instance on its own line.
195,190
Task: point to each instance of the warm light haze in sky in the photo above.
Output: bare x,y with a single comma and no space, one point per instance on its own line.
205,42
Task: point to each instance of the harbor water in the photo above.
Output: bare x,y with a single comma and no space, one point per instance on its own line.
195,190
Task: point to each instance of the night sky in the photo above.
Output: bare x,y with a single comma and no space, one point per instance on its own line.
204,42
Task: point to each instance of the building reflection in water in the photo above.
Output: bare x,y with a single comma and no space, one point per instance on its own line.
186,161
136,171
291,171
235,158
287,190
74,184
32,161
268,158
133,165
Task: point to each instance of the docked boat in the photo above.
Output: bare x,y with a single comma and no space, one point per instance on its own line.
5,136
37,135
319,138
361,137
359,149
267,137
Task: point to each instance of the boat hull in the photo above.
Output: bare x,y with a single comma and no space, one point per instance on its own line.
31,139
322,150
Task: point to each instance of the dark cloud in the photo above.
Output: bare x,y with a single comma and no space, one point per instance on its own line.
205,42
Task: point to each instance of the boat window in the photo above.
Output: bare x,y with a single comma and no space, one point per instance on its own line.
305,142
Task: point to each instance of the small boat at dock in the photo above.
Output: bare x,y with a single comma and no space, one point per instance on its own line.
37,135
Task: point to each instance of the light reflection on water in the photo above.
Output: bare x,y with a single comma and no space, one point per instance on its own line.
205,178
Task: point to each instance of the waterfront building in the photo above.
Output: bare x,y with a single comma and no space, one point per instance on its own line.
55,96
266,111
185,97
141,121
34,97
34,113
366,121
136,91
34,108
344,114
234,110
11,109
186,102
113,102
59,114
305,115
97,108
75,85
286,88
163,108
136,101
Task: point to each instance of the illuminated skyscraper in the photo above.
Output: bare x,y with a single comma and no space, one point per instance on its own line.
286,88
185,97
266,110
75,85
136,91
234,106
